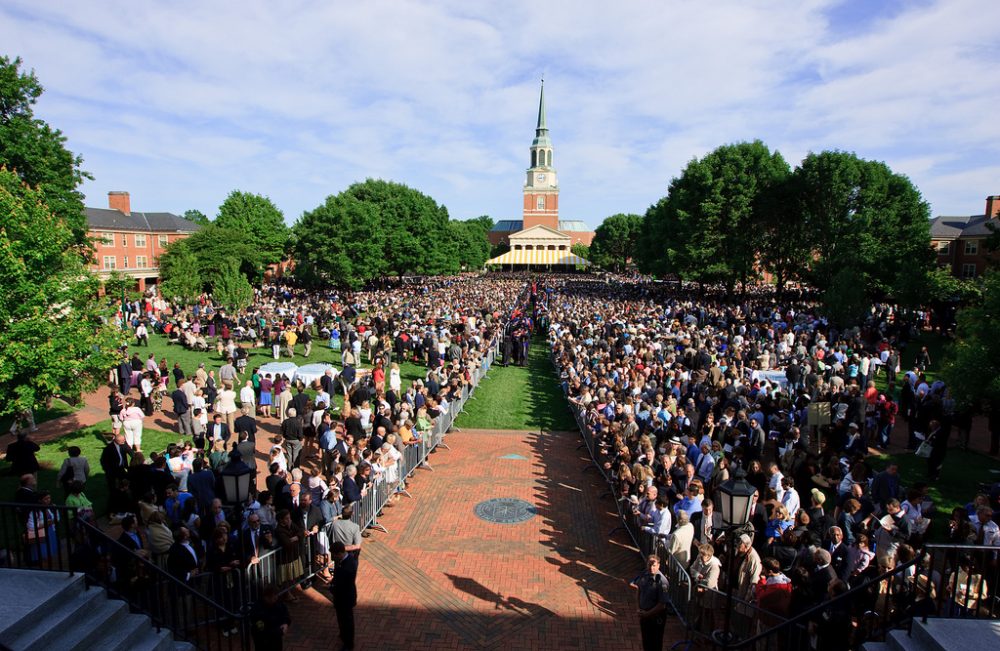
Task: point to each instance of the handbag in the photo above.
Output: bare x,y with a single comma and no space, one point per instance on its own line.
924,450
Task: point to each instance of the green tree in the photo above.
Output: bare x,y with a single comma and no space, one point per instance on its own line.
55,334
705,229
36,152
260,222
196,216
859,214
786,245
972,366
581,250
472,244
117,284
231,289
340,242
180,273
615,241
485,222
371,229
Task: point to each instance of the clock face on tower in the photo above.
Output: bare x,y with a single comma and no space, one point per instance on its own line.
540,178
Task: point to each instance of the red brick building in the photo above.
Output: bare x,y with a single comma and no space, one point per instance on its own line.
132,242
960,241
541,193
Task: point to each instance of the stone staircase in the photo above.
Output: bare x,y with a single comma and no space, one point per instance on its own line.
942,635
52,610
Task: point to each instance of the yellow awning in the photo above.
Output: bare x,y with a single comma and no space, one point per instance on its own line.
541,257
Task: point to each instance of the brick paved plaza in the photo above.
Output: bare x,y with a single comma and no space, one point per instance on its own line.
444,579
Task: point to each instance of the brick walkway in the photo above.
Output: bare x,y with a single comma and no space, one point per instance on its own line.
445,579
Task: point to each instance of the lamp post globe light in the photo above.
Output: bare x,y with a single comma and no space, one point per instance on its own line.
236,477
734,499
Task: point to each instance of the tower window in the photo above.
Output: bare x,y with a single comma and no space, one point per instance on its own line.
548,159
540,203
534,158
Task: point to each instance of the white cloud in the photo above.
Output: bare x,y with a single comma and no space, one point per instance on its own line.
182,102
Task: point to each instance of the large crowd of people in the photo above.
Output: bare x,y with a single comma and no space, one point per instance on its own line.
682,390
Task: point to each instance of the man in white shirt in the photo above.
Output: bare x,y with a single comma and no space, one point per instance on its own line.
987,531
790,496
774,482
706,464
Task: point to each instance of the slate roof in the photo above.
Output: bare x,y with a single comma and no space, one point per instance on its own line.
946,227
565,225
106,219
507,225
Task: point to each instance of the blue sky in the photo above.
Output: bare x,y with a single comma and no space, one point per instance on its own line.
182,102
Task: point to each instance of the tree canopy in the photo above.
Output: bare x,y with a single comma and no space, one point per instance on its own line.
972,369
260,222
35,151
55,334
706,228
616,241
196,263
196,216
378,228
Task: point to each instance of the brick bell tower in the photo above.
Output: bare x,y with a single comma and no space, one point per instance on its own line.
541,190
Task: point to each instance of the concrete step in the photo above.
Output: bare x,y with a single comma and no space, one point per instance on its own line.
875,646
957,634
50,610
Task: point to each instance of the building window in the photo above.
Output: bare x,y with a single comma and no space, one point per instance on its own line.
534,158
528,247
109,262
106,239
540,203
971,247
140,262
164,241
124,262
943,248
124,239
140,241
562,247
968,271
517,247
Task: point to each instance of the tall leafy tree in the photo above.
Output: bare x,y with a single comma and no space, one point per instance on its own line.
55,334
786,244
231,289
196,216
260,221
705,229
972,369
862,215
472,245
374,228
581,250
615,241
35,151
180,273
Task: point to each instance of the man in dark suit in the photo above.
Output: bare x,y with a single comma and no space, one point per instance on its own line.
182,409
345,592
299,400
707,524
822,576
840,557
201,485
247,423
218,429
115,459
125,377
183,560
126,563
309,514
247,451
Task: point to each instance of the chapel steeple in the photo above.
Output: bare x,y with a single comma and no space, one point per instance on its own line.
541,191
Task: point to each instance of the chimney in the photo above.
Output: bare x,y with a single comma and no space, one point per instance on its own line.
118,200
993,206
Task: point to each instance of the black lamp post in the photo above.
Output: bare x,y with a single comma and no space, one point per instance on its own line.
236,481
734,500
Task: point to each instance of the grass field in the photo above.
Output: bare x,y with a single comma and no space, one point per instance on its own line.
519,398
960,477
57,409
91,441
936,345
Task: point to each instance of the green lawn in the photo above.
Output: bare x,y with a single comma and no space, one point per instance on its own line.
935,347
91,441
57,409
520,398
962,473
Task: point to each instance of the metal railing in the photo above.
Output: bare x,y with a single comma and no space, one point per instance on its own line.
205,611
367,511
